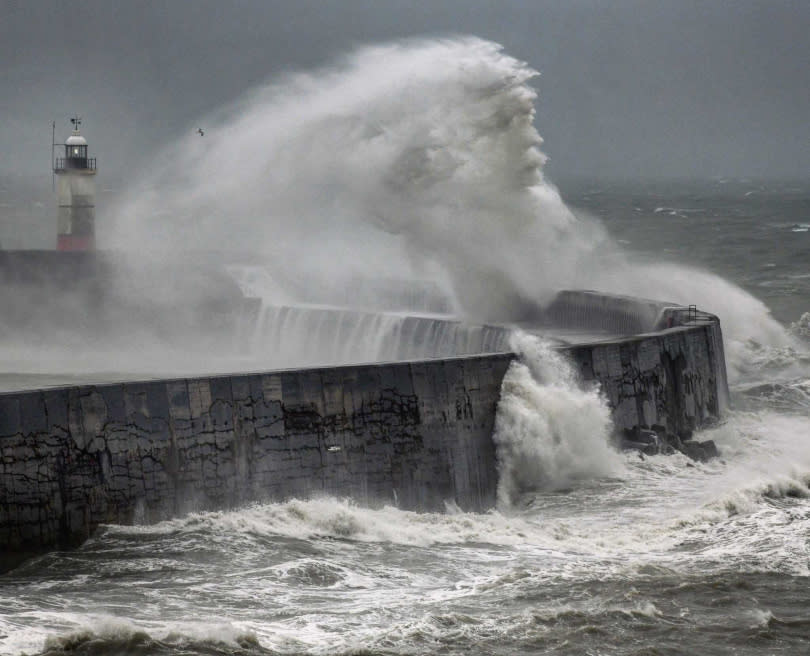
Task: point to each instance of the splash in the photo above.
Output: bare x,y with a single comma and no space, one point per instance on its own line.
316,336
328,517
751,335
549,432
114,635
412,160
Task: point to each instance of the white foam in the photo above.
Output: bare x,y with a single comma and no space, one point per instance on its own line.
82,630
549,432
748,512
327,517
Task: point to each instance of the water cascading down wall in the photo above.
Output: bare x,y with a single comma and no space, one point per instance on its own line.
414,434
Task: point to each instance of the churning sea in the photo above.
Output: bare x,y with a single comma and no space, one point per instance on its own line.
663,556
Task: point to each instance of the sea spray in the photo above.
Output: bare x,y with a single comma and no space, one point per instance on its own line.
549,431
410,160
416,159
751,335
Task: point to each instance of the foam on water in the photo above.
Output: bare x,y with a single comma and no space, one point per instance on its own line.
747,511
107,634
325,574
327,517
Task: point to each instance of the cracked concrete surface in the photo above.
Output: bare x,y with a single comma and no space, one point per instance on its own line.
412,434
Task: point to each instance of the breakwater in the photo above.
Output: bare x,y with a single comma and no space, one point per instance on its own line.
412,434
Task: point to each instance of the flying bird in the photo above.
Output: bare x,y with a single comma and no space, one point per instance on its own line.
200,130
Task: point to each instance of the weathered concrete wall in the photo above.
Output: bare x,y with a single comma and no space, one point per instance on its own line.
674,380
589,310
414,434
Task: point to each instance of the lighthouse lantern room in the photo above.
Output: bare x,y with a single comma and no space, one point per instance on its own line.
77,196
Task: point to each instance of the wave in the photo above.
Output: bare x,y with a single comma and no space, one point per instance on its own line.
389,157
111,635
749,512
788,396
801,328
549,433
328,518
417,160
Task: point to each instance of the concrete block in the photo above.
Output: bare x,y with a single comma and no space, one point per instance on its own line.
649,355
291,389
332,390
74,414
199,397
178,400
56,405
367,388
135,401
454,372
94,413
241,389
10,419
613,357
113,396
157,401
272,388
33,414
600,362
222,415
220,388
311,387
268,419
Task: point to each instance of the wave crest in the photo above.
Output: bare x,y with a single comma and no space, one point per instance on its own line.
549,433
115,636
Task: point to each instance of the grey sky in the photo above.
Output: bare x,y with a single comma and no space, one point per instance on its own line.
628,88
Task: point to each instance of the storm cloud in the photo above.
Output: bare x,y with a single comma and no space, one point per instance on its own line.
628,89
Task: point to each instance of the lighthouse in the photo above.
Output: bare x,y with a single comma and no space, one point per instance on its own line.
76,227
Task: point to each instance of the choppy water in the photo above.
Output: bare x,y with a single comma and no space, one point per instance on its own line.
421,160
661,556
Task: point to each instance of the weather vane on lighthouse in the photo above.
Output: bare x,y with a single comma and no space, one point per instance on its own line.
76,228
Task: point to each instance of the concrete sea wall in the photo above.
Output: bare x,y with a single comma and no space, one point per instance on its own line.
413,434
673,382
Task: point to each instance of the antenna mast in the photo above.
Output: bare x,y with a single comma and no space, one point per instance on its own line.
53,145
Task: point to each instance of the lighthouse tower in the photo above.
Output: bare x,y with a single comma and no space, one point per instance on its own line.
77,194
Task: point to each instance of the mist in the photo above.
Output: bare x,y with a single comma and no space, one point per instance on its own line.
415,160
412,160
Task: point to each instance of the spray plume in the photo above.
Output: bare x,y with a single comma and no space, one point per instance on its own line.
410,160
405,160
549,432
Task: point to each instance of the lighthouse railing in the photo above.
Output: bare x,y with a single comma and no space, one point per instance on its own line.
68,163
